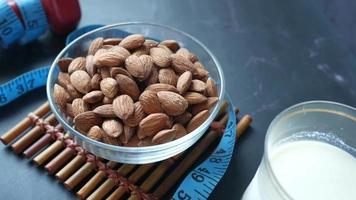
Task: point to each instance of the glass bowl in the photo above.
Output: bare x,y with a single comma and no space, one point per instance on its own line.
137,155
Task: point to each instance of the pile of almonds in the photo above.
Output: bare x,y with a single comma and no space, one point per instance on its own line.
135,91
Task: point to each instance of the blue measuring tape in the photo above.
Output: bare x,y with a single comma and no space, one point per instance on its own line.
198,184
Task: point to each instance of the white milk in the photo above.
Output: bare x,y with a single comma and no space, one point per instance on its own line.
308,170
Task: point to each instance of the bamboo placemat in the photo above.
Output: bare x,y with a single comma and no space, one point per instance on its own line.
41,139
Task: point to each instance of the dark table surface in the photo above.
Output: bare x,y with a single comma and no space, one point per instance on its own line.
274,54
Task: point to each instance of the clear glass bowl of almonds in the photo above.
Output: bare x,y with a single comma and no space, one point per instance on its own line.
135,92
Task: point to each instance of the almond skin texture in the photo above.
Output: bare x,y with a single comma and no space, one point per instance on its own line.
93,96
181,64
157,87
64,63
150,103
183,118
171,44
95,45
160,57
184,81
211,89
118,70
84,121
197,86
60,95
207,105
150,43
95,81
106,110
111,140
79,106
180,130
112,41
123,106
128,86
77,64
153,123
69,110
147,64
96,133
112,127
194,97
122,51
132,41
197,120
80,79
109,58
137,116
127,134
172,103
153,77
105,72
63,79
164,136
73,92
135,67
90,65
167,76
107,100
109,87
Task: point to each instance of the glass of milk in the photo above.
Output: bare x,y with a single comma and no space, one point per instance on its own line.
310,153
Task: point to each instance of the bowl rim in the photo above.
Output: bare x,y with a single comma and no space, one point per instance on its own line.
158,147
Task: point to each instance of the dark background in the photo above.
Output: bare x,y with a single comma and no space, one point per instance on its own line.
274,54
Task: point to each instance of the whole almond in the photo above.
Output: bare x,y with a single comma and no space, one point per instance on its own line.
135,67
197,86
147,64
183,118
180,130
194,97
109,87
79,106
150,103
122,51
61,96
164,136
171,44
95,81
157,87
211,89
160,57
197,120
93,97
132,41
80,79
90,65
85,120
127,134
108,58
105,110
206,105
150,43
153,123
95,133
64,63
63,79
128,86
107,100
77,64
112,127
73,92
123,106
172,103
118,70
136,117
112,41
95,45
184,81
153,77
168,76
180,64
69,110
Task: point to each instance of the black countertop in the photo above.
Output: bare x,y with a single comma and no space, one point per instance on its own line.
274,54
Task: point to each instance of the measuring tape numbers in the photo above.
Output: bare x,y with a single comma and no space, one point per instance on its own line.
11,28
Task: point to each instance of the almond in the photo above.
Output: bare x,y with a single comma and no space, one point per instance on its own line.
197,86
61,96
183,118
64,63
181,64
79,106
149,102
153,77
95,81
193,57
136,117
211,89
85,120
157,87
147,141
93,97
112,41
107,100
81,81
165,48
128,86
197,120
77,64
164,136
194,97
95,45
133,142
201,73
69,110
95,133
123,106
122,51
153,123
147,64
132,41
73,92
109,87
187,54
167,76
109,58
111,140
63,79
180,130
135,67
112,127
89,65
160,57
172,103
106,110
143,50
105,72
206,105
184,81
150,43
106,47
171,44
118,70
127,134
